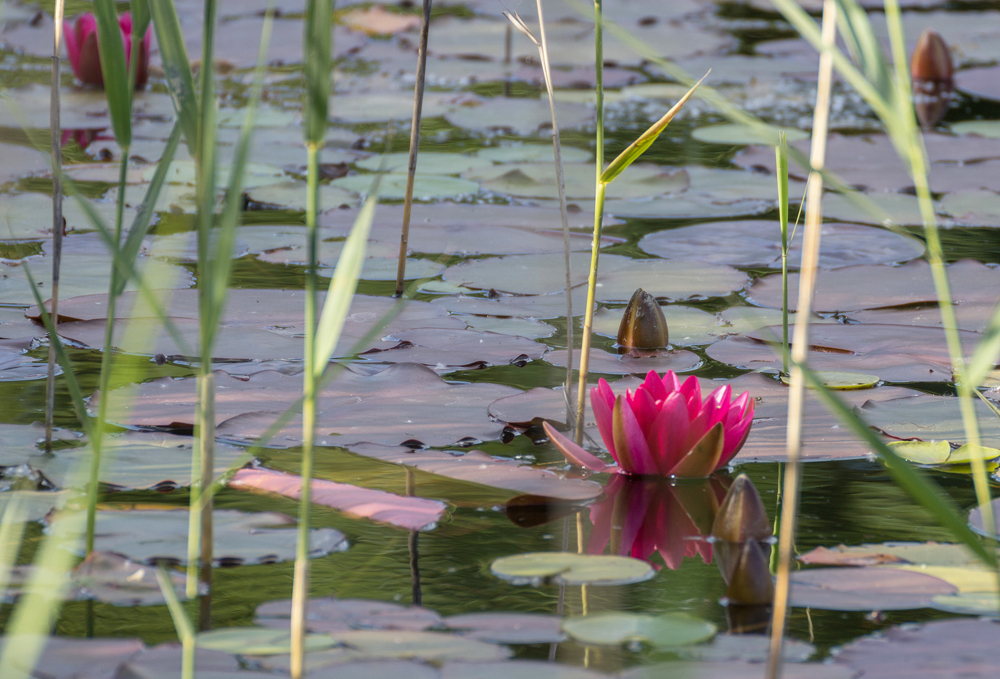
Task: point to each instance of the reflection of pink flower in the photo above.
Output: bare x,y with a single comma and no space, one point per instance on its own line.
85,58
640,516
664,428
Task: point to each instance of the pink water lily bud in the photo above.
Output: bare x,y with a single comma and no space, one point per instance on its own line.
643,325
84,55
932,70
665,428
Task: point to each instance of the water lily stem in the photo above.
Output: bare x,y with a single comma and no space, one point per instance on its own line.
55,139
411,173
800,344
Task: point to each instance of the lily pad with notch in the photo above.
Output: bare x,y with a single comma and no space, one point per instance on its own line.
571,569
612,629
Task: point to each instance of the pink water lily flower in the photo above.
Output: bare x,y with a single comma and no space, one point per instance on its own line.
664,428
84,55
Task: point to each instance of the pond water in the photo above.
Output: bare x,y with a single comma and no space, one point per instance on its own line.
694,223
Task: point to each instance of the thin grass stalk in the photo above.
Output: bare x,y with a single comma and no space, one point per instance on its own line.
935,256
411,172
800,344
561,182
588,323
781,157
206,443
12,524
183,627
55,139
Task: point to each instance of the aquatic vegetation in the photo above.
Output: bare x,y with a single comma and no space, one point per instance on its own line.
84,53
932,72
664,428
643,325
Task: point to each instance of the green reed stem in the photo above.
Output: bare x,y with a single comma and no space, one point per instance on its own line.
55,139
182,625
781,155
600,187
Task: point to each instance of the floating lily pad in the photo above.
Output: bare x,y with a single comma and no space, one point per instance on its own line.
634,363
942,648
973,208
183,247
743,320
969,603
538,180
522,669
523,153
865,589
114,579
752,243
337,615
981,82
29,216
980,128
969,315
254,174
429,162
80,275
257,641
412,513
976,520
612,629
427,646
372,107
508,628
736,669
393,186
732,134
397,404
872,287
79,657
900,209
571,569
687,205
930,418
841,381
940,452
975,577
618,277
292,196
477,467
891,553
161,535
747,648
444,350
381,262
521,116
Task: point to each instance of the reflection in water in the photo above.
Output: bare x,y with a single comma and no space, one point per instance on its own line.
83,137
640,515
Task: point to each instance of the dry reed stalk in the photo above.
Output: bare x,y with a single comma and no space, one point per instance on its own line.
800,340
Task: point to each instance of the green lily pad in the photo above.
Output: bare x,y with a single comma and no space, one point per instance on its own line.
255,174
292,196
427,646
920,553
427,163
900,209
522,116
969,603
612,629
865,589
981,128
687,205
732,134
152,535
29,216
393,186
930,418
842,380
257,641
521,669
973,208
538,180
571,569
939,452
523,153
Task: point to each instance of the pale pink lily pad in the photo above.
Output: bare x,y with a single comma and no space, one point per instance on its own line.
337,615
508,628
412,513
865,589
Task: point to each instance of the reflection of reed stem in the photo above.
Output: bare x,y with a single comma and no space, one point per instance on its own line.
418,104
55,139
411,487
800,343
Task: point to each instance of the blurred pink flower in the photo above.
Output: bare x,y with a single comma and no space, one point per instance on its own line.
664,428
85,58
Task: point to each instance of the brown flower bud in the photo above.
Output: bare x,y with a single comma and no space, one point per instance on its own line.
931,69
742,516
643,325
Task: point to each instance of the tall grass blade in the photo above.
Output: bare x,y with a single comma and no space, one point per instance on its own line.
800,345
185,631
114,71
781,159
411,167
176,69
55,142
646,139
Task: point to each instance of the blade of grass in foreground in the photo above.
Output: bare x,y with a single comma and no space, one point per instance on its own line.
185,631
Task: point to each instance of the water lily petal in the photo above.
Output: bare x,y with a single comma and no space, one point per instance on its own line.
634,455
573,452
645,410
602,402
670,433
657,388
704,457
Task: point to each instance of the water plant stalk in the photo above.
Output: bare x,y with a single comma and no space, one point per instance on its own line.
411,166
316,45
543,55
185,631
588,322
800,345
55,140
781,156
